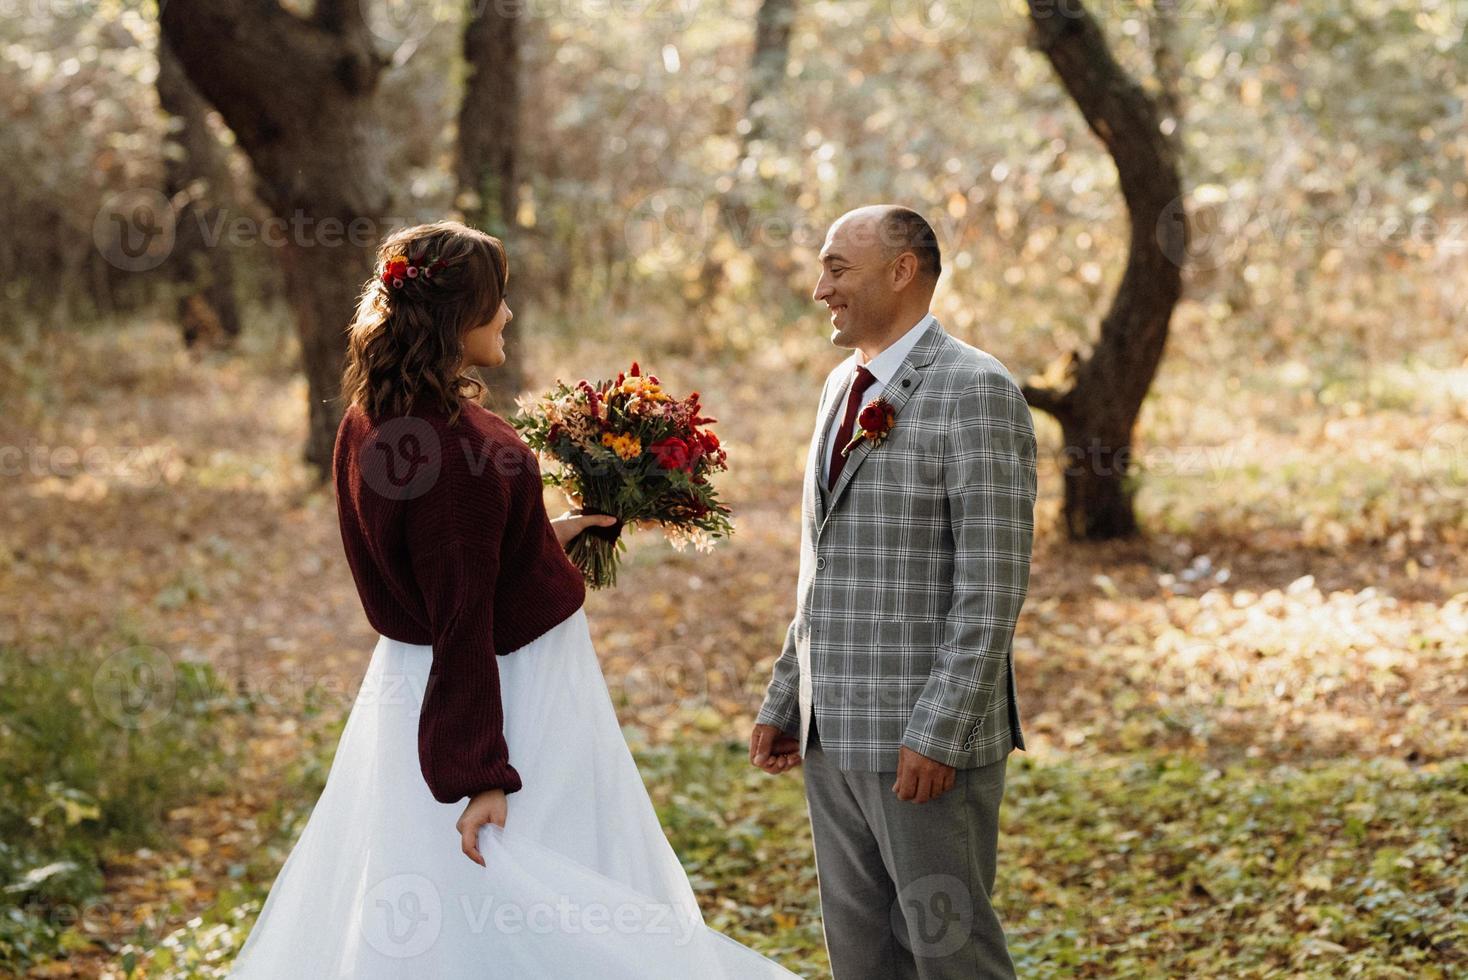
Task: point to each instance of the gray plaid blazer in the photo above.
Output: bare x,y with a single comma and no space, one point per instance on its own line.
913,570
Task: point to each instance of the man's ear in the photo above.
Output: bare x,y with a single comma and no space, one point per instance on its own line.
904,271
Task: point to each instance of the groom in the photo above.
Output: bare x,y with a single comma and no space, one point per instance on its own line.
896,685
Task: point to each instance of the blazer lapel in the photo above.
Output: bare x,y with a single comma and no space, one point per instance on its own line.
896,392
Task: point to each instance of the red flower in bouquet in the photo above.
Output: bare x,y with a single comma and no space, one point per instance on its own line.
875,421
674,453
593,400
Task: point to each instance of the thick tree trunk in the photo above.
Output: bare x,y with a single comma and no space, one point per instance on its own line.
1098,410
197,181
489,138
298,94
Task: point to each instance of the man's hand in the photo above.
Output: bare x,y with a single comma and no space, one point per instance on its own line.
772,750
487,807
570,524
920,779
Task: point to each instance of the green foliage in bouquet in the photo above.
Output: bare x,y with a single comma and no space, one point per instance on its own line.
629,449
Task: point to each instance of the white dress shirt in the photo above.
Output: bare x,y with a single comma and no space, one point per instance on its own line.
882,367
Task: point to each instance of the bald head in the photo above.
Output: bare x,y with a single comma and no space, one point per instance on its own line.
895,229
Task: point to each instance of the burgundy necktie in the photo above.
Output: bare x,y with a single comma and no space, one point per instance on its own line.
864,380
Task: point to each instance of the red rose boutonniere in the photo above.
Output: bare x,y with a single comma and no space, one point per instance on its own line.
874,422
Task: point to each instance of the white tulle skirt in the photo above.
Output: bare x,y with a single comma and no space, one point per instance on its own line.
581,882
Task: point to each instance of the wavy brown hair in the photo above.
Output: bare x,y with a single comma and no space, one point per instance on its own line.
405,345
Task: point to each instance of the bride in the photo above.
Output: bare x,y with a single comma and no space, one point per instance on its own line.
483,687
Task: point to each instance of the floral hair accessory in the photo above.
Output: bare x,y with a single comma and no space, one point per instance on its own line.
875,421
398,270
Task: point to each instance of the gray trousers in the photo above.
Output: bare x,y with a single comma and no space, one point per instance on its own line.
905,886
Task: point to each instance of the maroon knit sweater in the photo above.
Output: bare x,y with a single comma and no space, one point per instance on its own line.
448,540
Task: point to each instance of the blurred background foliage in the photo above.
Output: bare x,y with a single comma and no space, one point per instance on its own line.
1324,152
1248,731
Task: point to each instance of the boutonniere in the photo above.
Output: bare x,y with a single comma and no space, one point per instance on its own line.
875,421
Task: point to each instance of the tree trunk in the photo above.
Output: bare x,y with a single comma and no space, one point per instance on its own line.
298,93
1098,409
489,137
773,24
197,181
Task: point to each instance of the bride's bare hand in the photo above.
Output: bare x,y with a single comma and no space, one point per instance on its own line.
484,808
570,524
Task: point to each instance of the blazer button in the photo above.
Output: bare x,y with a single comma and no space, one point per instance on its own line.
820,564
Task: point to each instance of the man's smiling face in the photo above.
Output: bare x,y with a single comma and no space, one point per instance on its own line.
853,282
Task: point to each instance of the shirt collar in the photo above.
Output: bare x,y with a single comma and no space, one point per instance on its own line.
885,364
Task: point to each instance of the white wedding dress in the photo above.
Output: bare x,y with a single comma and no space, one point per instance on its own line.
581,882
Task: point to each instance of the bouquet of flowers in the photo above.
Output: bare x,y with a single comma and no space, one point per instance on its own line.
628,449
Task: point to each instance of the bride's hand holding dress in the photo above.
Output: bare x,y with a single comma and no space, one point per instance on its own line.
492,806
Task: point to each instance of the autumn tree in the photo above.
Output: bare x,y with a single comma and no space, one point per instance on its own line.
298,93
1097,396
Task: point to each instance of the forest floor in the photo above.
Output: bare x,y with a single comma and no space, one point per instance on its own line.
1257,713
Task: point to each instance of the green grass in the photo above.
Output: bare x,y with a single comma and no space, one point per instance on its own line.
207,945
1162,866
1143,865
744,839
95,747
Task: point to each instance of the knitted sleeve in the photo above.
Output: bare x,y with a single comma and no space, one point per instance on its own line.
454,536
